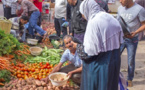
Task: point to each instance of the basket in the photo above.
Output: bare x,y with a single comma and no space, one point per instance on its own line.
58,76
5,25
35,50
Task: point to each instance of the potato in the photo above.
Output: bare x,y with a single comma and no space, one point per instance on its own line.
18,85
20,88
57,88
49,87
4,88
19,81
40,88
45,88
43,83
31,89
33,86
38,83
26,88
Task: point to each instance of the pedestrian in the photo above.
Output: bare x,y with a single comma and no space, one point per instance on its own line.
134,16
78,23
59,16
100,51
29,9
7,7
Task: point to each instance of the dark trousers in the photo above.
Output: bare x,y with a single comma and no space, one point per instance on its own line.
76,78
7,12
59,28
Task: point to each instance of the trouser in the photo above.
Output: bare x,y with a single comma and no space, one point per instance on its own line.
33,24
131,46
59,28
7,12
76,78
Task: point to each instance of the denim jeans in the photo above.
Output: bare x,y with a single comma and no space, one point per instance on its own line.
131,46
59,28
33,24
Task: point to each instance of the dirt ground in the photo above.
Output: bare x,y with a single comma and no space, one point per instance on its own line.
139,78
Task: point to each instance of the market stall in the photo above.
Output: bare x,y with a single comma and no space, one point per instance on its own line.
22,66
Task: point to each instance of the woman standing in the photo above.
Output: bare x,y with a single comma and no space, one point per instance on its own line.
102,41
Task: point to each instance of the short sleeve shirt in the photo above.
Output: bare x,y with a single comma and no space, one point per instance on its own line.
74,59
133,16
60,8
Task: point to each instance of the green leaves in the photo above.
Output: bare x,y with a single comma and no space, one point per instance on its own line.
8,43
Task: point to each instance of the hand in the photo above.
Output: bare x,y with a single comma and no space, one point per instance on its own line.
128,36
69,74
45,79
133,34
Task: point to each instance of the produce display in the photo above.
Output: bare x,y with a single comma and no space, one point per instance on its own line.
33,84
35,70
52,56
5,76
8,44
20,70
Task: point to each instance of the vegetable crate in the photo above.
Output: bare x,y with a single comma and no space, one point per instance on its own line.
5,25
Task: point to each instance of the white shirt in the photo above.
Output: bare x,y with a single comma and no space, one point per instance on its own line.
60,8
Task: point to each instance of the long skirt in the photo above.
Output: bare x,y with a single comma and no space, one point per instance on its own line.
102,72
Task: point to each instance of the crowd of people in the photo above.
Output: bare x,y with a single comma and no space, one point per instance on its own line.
95,40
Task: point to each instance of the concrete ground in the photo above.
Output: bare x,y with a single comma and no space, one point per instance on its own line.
139,78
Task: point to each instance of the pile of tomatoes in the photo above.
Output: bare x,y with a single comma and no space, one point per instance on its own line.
35,70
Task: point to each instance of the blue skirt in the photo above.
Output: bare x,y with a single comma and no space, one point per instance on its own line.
102,71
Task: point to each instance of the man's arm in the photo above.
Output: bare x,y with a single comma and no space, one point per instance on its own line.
75,71
57,68
142,28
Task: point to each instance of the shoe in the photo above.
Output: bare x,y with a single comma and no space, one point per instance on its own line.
130,84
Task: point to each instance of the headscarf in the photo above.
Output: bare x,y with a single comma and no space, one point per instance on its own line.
89,8
103,32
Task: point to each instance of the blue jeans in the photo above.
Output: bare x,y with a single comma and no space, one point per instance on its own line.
131,46
59,28
33,24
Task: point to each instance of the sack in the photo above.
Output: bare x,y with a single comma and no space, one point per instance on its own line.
5,25
122,84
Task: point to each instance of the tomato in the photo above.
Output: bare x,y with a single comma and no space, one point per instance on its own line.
43,76
19,75
40,77
26,73
47,63
22,72
48,67
33,70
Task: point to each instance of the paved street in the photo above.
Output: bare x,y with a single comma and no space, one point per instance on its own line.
139,80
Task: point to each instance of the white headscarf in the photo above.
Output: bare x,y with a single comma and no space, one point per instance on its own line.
89,8
103,32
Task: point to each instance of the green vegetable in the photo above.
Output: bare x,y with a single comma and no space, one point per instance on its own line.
8,43
52,56
55,44
6,75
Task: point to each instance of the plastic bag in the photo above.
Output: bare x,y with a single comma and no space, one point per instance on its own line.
122,84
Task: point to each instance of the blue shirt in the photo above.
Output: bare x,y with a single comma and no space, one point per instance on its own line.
74,59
